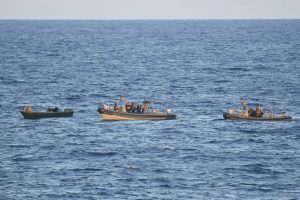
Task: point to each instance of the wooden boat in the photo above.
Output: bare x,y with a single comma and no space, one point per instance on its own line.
263,118
132,112
257,114
29,114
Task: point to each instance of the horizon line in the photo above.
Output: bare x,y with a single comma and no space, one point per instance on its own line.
141,19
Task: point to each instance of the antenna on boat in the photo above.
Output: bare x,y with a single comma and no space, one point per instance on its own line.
152,103
271,111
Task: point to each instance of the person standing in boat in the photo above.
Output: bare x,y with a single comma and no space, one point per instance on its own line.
116,106
251,112
145,106
122,106
245,112
259,111
128,107
133,107
138,108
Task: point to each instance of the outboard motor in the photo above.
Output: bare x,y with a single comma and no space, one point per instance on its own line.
226,115
100,110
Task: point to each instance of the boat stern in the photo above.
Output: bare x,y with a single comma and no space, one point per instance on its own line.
226,116
100,110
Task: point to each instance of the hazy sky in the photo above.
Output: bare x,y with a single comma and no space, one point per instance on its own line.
149,9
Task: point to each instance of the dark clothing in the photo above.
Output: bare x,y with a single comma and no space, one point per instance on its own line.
133,109
138,108
116,107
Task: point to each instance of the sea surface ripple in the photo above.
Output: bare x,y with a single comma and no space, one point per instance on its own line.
199,69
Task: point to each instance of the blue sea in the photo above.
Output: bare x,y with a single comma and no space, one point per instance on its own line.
197,68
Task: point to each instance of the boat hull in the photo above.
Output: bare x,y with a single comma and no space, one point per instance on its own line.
38,115
274,118
108,115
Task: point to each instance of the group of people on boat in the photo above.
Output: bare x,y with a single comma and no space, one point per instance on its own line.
53,109
255,114
258,112
247,113
250,112
131,107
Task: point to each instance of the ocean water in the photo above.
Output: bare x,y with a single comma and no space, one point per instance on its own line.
199,69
